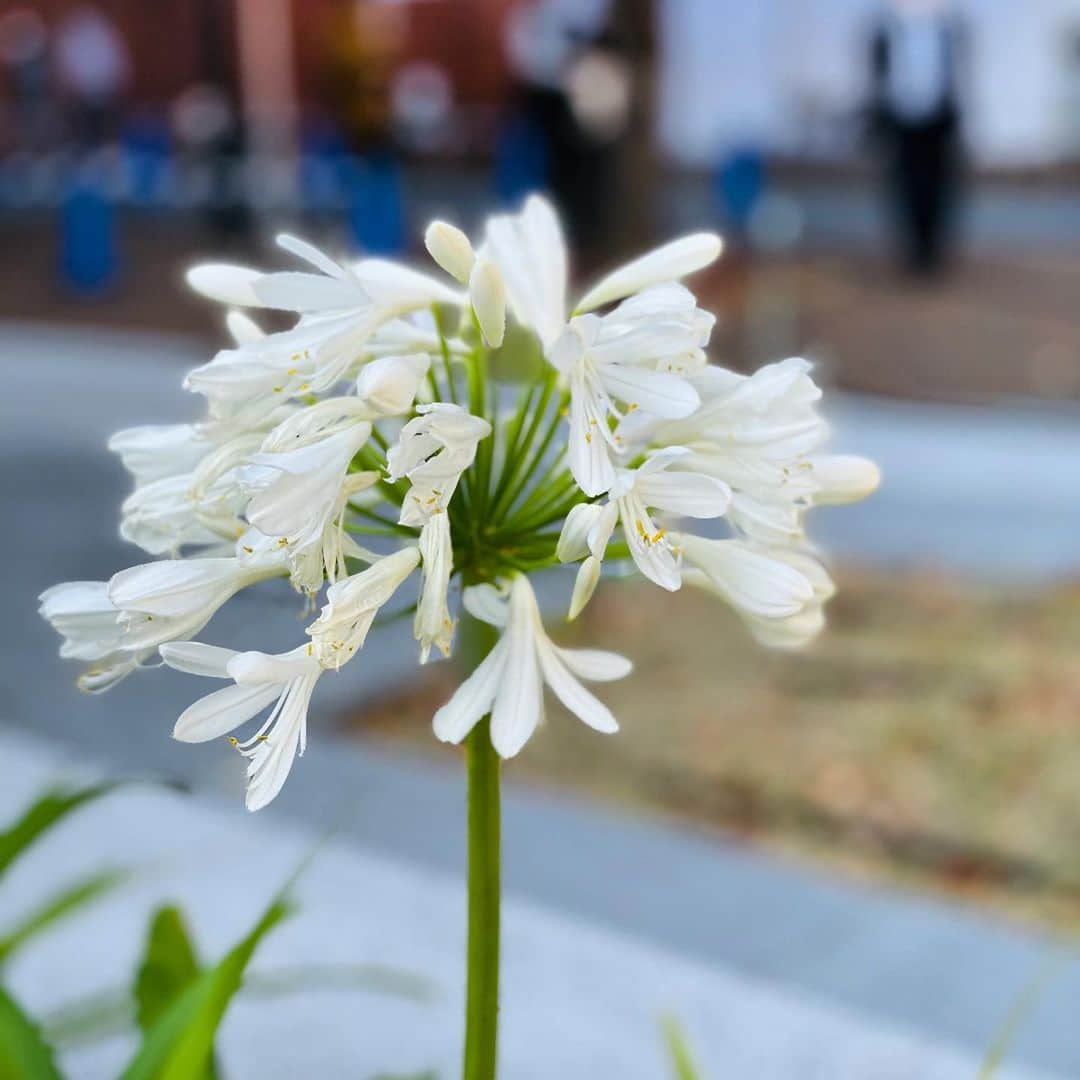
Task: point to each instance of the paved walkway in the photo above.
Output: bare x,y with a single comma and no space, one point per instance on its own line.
974,490
579,1003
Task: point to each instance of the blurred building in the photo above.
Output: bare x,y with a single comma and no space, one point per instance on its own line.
278,58
786,76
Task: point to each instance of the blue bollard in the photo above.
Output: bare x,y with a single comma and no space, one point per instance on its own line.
376,206
739,184
89,248
521,161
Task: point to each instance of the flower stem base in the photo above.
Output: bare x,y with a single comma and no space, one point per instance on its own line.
482,987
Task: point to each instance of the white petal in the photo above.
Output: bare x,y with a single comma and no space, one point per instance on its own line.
574,539
195,658
654,559
272,760
596,665
602,530
587,449
519,700
519,703
488,295
291,290
310,254
173,586
390,383
399,289
584,705
667,263
752,580
687,494
473,698
659,460
657,392
220,712
531,253
226,283
258,668
585,583
243,329
486,603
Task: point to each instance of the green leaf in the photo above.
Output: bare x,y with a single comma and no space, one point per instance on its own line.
42,814
88,1019
59,906
683,1067
1021,1010
180,1043
168,966
24,1054
96,1016
52,807
369,978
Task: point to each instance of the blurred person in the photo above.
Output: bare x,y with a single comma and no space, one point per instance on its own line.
572,60
916,58
24,57
207,127
93,67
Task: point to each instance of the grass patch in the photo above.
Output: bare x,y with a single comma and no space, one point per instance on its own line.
931,737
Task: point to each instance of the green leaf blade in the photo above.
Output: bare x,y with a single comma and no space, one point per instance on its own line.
59,906
24,1053
45,812
180,1043
169,965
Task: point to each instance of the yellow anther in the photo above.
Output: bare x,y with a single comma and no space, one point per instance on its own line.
283,541
640,526
588,436
658,536
233,740
310,649
249,549
632,406
277,389
291,371
305,386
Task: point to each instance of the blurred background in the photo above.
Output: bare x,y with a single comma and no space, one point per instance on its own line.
899,188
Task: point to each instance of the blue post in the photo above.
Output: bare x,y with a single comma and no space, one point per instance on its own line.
739,184
376,206
89,248
521,161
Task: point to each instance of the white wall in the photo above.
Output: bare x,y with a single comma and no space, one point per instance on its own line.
789,75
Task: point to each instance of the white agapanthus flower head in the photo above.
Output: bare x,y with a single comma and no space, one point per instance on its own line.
371,441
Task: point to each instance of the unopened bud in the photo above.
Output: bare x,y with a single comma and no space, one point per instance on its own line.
451,249
488,295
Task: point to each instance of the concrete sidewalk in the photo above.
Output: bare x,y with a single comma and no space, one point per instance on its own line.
578,1001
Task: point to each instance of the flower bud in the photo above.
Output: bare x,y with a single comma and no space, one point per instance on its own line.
488,295
450,248
844,478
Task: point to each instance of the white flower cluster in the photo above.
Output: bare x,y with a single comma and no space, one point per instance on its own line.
377,416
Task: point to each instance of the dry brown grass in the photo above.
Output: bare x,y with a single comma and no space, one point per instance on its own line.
932,736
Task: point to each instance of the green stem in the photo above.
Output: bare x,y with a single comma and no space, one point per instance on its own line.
482,986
